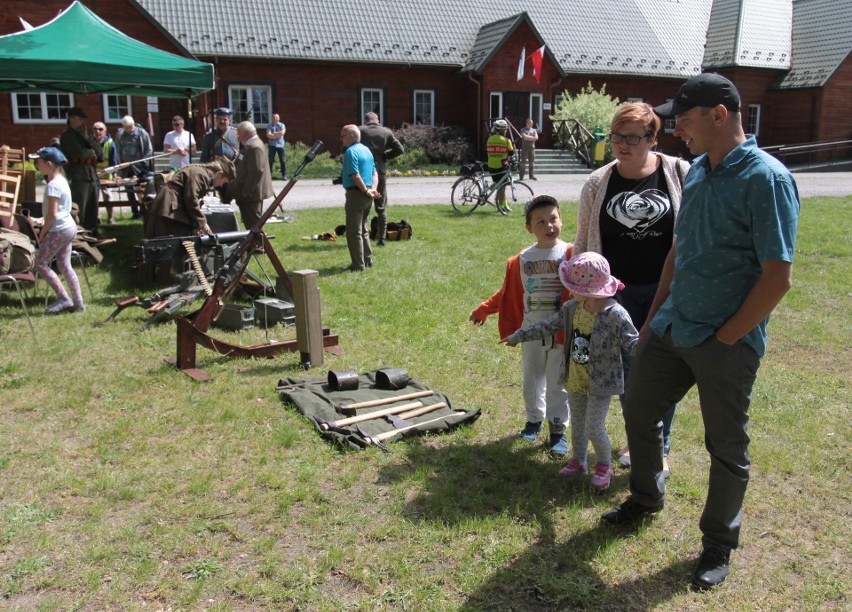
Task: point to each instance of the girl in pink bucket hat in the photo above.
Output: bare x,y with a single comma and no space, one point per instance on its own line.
598,333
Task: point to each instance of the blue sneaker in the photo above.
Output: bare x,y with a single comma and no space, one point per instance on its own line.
558,445
530,431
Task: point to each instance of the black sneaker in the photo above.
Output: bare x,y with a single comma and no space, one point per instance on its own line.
628,511
712,568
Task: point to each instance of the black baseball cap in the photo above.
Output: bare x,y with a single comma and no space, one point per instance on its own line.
708,89
223,110
76,111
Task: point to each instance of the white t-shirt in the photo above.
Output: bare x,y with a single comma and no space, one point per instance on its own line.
58,188
540,276
177,140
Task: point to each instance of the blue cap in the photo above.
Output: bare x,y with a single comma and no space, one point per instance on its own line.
51,154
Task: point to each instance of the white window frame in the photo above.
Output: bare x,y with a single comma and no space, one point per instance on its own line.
260,117
495,102
45,108
753,119
115,101
367,106
431,103
537,109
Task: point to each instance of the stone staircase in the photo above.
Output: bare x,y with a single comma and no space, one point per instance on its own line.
557,161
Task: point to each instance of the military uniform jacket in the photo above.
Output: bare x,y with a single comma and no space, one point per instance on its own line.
382,144
180,198
83,156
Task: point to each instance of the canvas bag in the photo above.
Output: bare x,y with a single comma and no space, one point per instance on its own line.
17,253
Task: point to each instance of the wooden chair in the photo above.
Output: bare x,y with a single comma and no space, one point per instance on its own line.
9,187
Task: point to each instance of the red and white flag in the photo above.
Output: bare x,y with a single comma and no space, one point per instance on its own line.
537,58
521,63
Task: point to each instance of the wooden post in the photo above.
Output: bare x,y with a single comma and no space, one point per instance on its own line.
306,301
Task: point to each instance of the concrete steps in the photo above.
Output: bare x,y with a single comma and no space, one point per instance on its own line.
557,161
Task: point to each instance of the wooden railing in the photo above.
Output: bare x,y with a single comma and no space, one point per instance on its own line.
570,134
824,153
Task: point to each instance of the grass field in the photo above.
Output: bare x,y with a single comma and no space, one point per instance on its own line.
124,485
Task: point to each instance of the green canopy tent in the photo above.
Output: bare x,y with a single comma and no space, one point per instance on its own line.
78,52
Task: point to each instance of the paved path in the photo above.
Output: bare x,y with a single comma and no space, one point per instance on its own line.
320,193
315,193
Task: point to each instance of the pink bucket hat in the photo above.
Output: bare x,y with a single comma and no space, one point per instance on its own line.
588,274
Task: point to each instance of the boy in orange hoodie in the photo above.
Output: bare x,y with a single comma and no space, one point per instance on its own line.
531,292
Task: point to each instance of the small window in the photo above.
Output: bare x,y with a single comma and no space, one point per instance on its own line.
372,101
669,124
251,103
41,107
753,119
424,107
116,107
536,102
496,105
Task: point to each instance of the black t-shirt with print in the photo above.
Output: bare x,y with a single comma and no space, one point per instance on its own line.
637,225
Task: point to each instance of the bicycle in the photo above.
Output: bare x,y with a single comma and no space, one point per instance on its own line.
474,190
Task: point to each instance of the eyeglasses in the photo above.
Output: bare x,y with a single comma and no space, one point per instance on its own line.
631,139
98,129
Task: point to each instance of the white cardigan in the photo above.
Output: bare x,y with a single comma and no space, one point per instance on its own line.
594,191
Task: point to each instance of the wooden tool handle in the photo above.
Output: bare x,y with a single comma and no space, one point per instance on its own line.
387,400
390,434
418,411
370,415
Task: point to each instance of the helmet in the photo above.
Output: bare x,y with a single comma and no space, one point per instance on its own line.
500,125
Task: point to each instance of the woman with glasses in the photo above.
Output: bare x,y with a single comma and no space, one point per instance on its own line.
627,213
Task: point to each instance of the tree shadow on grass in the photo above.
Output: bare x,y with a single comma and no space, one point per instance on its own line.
508,477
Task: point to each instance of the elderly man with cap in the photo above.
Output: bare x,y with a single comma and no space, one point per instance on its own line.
729,267
221,141
83,153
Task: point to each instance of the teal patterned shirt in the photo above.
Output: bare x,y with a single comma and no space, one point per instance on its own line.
732,218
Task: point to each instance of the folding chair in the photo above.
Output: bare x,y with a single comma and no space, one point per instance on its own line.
17,279
24,225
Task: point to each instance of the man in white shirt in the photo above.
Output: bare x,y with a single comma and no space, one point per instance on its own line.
180,143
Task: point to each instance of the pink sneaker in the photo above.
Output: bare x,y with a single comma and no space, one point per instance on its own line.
573,469
602,476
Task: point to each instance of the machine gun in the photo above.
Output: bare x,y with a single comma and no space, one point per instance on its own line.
192,330
211,250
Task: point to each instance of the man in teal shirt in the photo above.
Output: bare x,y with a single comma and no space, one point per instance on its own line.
359,178
729,267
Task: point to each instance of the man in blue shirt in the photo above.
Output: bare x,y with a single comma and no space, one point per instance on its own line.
359,178
275,135
729,267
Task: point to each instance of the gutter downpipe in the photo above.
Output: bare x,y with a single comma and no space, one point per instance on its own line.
478,109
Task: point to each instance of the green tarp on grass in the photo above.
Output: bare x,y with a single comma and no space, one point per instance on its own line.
78,52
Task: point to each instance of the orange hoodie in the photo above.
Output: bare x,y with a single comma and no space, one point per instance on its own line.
508,302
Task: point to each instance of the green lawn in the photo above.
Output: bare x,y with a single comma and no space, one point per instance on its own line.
126,485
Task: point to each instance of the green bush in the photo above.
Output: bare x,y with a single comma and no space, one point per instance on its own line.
593,109
439,145
323,166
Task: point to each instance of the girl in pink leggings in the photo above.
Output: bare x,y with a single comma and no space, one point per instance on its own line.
57,233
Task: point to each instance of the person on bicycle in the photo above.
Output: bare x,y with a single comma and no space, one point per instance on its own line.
499,148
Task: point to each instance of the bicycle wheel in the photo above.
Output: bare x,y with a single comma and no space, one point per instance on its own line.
466,195
516,193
